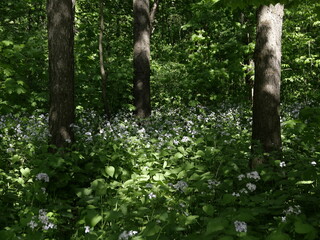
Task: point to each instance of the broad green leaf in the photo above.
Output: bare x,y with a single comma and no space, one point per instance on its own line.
208,209
110,170
216,224
178,155
151,229
191,219
84,192
158,177
7,42
25,171
303,228
182,150
226,238
93,218
304,182
278,236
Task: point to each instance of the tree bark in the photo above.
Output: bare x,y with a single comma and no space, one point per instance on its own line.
141,58
61,71
104,76
266,133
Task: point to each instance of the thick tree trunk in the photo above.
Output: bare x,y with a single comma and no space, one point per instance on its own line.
104,76
61,70
266,100
141,58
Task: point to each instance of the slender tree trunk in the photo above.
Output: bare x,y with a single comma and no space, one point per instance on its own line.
61,70
104,77
153,14
141,58
266,100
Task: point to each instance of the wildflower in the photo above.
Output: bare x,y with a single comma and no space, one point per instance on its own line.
251,186
180,185
240,226
43,189
86,229
42,176
293,210
49,225
213,183
149,185
175,142
236,194
313,163
68,140
243,190
185,139
241,176
125,235
32,224
10,150
283,219
282,164
152,195
253,175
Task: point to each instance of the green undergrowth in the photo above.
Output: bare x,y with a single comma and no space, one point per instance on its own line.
181,174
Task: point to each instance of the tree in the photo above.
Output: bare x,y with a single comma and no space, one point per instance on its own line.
104,76
266,100
141,58
61,70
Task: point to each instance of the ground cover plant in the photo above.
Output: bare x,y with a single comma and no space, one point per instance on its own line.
180,174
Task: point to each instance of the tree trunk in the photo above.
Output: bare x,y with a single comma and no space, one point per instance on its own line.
104,77
61,70
266,100
141,58
153,14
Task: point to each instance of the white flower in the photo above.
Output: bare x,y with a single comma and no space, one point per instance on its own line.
240,226
243,190
149,185
236,194
283,219
86,229
313,163
251,186
68,140
282,164
213,183
42,176
241,176
180,185
293,210
32,224
125,235
253,175
185,139
152,195
10,150
175,142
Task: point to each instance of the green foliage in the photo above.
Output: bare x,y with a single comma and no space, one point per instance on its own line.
181,174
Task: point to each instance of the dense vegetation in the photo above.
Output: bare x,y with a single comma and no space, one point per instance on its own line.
183,172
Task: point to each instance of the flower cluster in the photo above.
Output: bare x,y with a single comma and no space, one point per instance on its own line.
42,177
42,219
152,195
179,186
240,226
125,235
213,183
